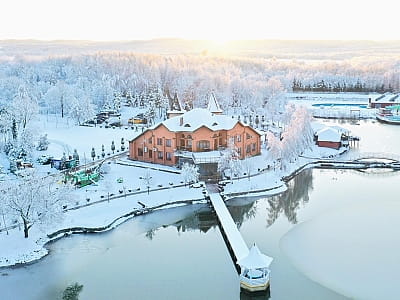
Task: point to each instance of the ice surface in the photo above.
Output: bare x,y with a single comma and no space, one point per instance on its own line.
353,250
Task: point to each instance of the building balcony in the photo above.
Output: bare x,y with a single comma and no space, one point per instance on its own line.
183,148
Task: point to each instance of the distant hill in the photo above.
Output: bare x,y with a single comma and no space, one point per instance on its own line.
280,49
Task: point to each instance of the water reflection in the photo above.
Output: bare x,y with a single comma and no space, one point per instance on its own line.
289,201
245,212
241,209
265,295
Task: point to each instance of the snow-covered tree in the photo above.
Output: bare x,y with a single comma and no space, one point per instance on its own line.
274,148
235,166
228,155
80,108
190,173
147,180
43,143
58,97
247,166
22,146
274,101
24,109
35,200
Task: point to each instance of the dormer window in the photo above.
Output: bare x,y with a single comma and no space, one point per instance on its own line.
215,124
186,125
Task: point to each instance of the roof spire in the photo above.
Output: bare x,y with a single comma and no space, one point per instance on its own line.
213,105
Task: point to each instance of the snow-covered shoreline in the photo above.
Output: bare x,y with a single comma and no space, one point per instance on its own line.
104,216
107,215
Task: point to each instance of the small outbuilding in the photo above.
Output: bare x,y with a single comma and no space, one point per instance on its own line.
329,137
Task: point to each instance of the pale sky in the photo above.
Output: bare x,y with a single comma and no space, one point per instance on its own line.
217,20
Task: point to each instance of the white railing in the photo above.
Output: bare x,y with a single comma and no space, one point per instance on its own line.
370,155
254,281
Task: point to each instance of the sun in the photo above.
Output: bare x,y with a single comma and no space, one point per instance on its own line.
220,41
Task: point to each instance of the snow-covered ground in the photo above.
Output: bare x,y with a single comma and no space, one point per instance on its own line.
64,137
16,249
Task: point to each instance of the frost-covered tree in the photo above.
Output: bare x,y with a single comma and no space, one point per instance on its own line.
228,155
58,98
24,109
235,166
81,108
35,200
247,166
22,147
190,173
274,100
147,180
6,124
297,136
274,149
43,143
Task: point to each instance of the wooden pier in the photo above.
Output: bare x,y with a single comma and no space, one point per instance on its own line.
251,265
232,236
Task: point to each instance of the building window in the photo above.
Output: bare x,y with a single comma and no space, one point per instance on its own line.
150,140
159,141
239,151
248,136
239,138
168,143
140,152
168,155
253,147
160,155
203,145
248,148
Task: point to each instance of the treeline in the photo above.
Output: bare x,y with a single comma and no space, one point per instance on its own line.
337,87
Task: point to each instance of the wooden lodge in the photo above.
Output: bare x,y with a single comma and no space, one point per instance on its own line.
195,131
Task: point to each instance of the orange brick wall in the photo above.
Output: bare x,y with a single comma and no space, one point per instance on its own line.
216,138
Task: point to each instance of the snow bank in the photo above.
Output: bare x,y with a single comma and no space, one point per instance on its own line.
351,250
15,249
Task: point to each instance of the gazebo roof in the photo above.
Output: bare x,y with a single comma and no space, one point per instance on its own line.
255,259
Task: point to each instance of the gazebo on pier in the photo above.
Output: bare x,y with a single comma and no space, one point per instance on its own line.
255,273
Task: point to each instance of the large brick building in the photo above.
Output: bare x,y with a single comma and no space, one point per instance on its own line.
196,131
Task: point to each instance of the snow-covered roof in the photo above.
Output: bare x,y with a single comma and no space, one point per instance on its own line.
199,117
213,105
329,134
255,259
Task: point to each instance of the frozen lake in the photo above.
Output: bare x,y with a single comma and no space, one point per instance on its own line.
321,232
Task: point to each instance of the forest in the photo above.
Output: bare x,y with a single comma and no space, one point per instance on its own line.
76,82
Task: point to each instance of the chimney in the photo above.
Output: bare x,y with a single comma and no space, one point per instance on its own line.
181,121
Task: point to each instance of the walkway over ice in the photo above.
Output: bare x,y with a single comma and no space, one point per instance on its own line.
233,236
